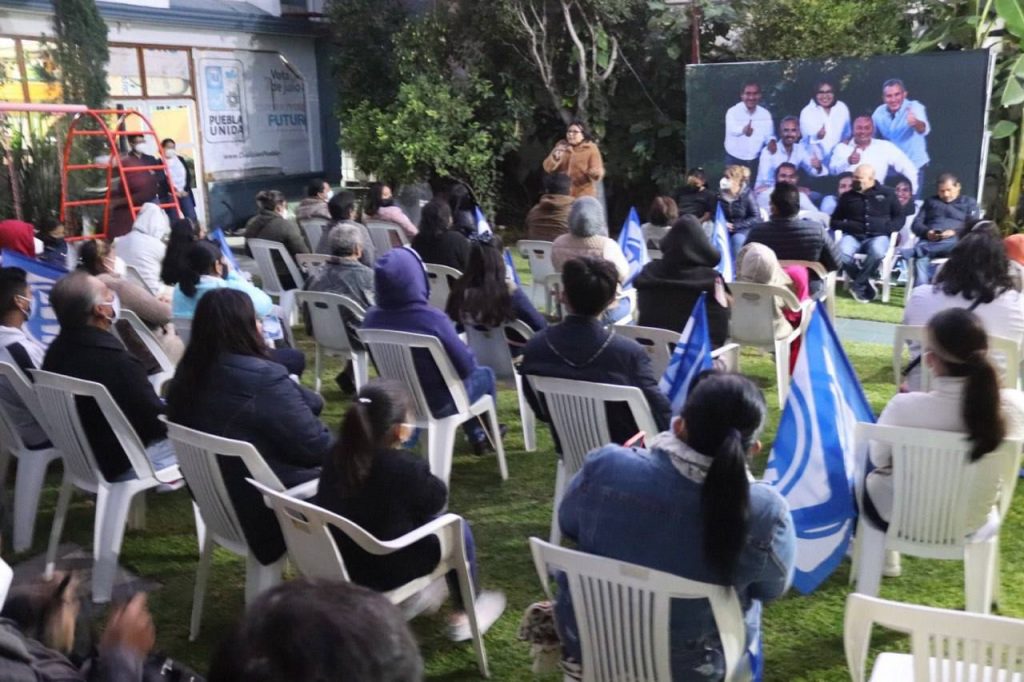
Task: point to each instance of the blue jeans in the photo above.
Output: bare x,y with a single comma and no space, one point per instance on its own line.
617,311
458,600
737,239
161,454
874,249
479,383
924,251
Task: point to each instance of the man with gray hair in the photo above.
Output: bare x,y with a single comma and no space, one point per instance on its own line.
85,349
344,274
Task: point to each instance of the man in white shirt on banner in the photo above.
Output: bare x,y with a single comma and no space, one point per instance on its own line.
182,181
904,122
882,155
825,121
788,174
787,149
748,127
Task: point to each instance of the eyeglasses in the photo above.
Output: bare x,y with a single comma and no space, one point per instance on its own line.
573,131
825,92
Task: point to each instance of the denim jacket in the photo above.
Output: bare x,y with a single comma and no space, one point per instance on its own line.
643,506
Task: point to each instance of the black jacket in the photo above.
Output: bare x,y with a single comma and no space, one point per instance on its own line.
797,239
742,211
253,399
584,342
872,212
96,355
450,248
666,294
399,495
696,202
936,214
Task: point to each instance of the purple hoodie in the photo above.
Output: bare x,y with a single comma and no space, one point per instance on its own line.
402,290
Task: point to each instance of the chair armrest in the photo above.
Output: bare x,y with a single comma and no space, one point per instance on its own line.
435,527
304,491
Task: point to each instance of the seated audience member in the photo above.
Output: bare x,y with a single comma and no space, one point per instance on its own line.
660,216
342,207
381,206
183,235
86,309
389,492
227,385
695,198
402,305
588,237
205,270
941,222
344,274
97,258
436,242
965,397
867,215
43,629
271,223
793,238
668,288
463,208
144,247
581,347
904,192
975,277
787,174
738,205
549,219
314,205
691,485
758,264
19,348
324,630
485,295
18,236
844,181
55,249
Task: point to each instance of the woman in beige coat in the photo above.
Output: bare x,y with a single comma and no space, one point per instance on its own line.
578,157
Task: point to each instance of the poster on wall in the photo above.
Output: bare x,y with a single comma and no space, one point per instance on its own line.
912,117
254,113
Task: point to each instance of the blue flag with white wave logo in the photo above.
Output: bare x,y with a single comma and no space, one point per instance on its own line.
720,238
691,356
482,226
633,245
43,325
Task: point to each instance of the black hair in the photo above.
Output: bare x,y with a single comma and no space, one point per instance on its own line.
315,187
897,178
589,284
947,177
724,414
13,282
588,135
379,406
374,198
786,200
435,219
163,142
183,235
663,211
224,322
342,206
960,341
557,183
320,631
46,226
697,173
460,198
844,175
200,259
977,269
269,199
482,294
92,256
894,81
784,164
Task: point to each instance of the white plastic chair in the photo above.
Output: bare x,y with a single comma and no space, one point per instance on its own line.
623,614
827,295
198,455
385,236
32,464
183,328
313,228
311,263
945,645
538,255
149,340
330,335
752,324
57,399
885,268
132,274
6,578
659,345
392,352
314,551
1004,353
441,278
263,252
579,418
490,346
935,491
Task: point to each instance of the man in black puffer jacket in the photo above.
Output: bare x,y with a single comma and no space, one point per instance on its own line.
939,225
867,215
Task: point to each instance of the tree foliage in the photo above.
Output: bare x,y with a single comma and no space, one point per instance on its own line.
81,52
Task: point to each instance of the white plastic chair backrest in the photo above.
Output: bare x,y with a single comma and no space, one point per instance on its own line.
198,454
1004,353
131,273
538,254
657,343
6,578
263,251
314,230
311,263
945,644
9,433
936,487
441,278
579,417
623,611
148,339
490,345
385,236
325,317
752,321
183,328
57,394
392,353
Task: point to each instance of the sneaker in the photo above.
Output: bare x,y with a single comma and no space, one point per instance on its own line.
490,604
859,295
871,291
483,446
892,568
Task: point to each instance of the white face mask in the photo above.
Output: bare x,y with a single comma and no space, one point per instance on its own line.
139,148
31,305
115,306
329,195
170,153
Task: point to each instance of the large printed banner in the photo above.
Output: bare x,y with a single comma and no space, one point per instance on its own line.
253,112
912,117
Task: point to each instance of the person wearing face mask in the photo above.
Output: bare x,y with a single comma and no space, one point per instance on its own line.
144,186
380,205
181,176
86,309
318,193
19,348
271,222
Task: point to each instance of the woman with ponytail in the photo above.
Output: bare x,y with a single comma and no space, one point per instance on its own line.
964,397
205,270
688,506
371,481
